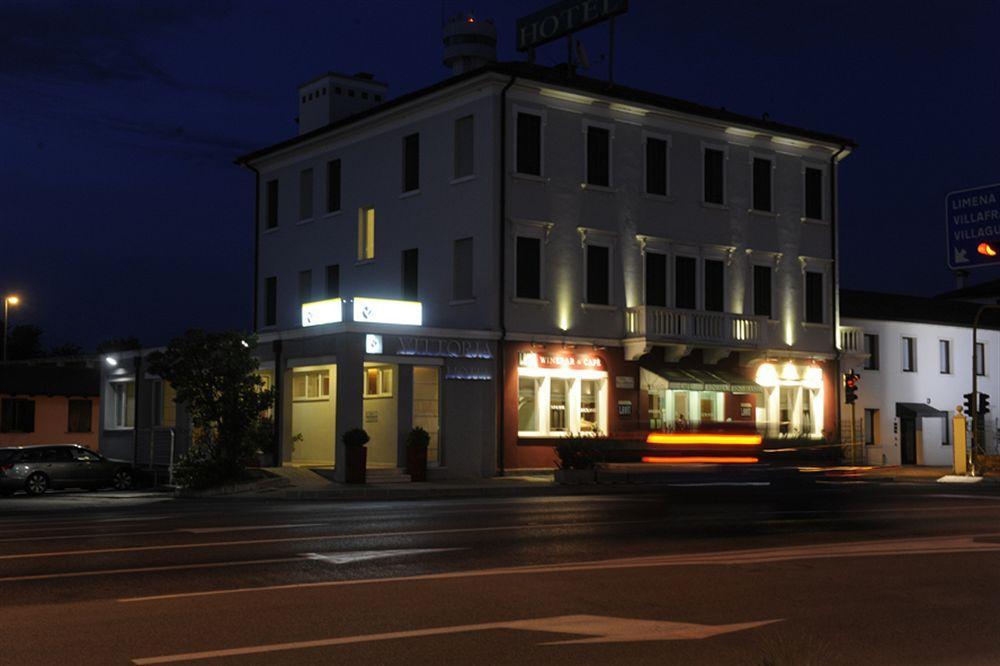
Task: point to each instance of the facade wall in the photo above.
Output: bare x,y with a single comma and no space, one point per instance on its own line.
52,424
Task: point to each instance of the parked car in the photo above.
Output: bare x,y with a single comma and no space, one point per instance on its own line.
35,469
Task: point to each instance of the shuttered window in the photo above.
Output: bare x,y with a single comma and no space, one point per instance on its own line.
598,156
529,144
656,279
656,166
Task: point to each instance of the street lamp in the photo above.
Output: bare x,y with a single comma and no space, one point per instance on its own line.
8,300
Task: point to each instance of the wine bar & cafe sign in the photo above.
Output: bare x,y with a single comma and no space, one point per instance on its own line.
560,361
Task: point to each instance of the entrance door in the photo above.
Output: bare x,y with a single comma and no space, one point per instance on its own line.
908,441
426,411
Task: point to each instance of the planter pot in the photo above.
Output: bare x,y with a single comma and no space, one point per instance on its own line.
416,462
357,459
575,476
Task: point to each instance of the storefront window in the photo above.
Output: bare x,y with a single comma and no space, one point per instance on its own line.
655,411
527,404
561,402
313,385
588,405
378,382
557,405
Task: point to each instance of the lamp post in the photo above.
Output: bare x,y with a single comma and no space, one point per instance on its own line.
8,301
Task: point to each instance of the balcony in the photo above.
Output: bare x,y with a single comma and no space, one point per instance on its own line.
852,340
691,327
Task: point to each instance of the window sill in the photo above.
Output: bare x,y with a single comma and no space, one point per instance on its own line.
814,324
591,187
318,399
304,221
332,213
462,301
665,198
529,301
599,307
714,206
411,193
537,178
762,213
118,429
813,220
463,179
364,262
377,396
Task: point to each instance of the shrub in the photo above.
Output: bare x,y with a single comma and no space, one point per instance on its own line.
202,467
418,437
355,437
579,453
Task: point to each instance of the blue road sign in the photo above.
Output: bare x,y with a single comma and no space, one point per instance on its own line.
973,227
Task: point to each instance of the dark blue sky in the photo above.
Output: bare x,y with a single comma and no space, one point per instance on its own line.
122,213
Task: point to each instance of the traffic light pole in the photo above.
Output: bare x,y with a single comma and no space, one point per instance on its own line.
976,435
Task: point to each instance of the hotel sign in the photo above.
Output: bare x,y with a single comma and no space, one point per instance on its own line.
322,312
547,361
386,311
973,227
562,18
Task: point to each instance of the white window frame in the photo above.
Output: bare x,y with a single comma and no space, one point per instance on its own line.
903,356
313,385
542,115
111,422
951,367
573,400
724,148
646,135
773,159
610,127
822,192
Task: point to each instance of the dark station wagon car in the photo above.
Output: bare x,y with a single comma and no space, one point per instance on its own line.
35,469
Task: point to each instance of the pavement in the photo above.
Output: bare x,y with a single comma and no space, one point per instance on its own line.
829,574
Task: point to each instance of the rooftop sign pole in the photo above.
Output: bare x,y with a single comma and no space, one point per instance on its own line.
563,18
972,222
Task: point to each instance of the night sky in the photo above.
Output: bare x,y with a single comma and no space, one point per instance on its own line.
122,212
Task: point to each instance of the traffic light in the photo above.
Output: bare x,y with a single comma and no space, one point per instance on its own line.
984,403
988,249
969,403
851,380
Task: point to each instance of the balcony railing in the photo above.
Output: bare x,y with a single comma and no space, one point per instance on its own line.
691,326
852,339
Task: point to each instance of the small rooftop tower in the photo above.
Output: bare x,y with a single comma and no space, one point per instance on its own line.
331,97
469,43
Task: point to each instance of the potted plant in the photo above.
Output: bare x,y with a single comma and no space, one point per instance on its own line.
417,441
356,454
578,458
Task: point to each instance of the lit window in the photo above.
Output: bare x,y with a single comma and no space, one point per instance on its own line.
558,388
527,404
311,385
588,405
121,407
164,407
559,403
366,234
378,382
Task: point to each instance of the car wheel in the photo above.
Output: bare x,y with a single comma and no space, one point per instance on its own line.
36,484
122,480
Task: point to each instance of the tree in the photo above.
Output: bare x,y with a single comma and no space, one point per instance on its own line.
214,376
24,341
66,349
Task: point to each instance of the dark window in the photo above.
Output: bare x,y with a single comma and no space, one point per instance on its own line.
656,166
79,416
909,355
598,156
529,267
981,359
529,144
332,281
714,176
871,348
464,147
17,415
58,454
272,204
814,193
306,194
684,282
411,162
270,301
598,273
714,287
410,273
814,297
761,184
656,279
463,287
762,291
332,186
305,286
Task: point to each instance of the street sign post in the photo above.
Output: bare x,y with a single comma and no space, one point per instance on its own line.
973,227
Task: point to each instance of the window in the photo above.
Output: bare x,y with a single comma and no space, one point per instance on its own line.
272,204
715,182
814,297
529,144
557,403
306,194
558,392
378,382
310,385
333,186
411,163
598,156
762,184
305,286
656,166
981,359
685,282
366,234
332,281
164,407
656,279
909,353
270,301
529,267
871,348
589,391
762,291
598,275
410,272
17,415
871,427
814,193
464,159
527,404
462,281
714,285
80,412
121,407
84,455
944,350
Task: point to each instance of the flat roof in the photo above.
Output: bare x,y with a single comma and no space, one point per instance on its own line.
917,309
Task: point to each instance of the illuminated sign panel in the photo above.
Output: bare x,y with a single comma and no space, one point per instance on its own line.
973,227
385,311
322,312
373,344
546,361
562,18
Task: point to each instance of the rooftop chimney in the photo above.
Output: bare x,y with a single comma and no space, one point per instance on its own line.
469,43
331,97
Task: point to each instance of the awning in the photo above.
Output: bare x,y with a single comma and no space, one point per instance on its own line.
694,379
912,410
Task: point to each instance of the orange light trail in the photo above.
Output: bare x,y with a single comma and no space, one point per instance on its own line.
675,460
702,438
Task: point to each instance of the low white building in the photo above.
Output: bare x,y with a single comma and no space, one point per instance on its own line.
914,357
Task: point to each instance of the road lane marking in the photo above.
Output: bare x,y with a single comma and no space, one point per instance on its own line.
324,537
599,630
188,530
170,567
994,498
348,556
243,528
915,546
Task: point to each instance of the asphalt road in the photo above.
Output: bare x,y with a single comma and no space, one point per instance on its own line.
840,574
